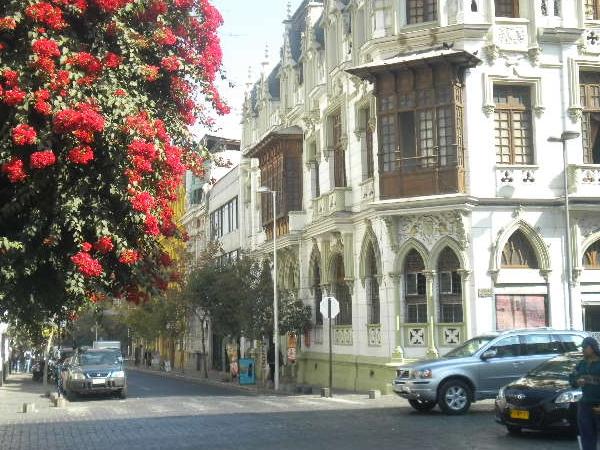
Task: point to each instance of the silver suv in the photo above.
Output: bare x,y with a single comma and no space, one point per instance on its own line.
480,367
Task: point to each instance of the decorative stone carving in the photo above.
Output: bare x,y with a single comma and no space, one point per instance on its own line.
342,335
491,52
534,55
416,336
590,42
489,109
452,336
588,226
511,36
374,335
428,229
390,225
575,113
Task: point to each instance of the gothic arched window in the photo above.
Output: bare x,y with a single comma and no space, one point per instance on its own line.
518,253
415,288
372,287
450,287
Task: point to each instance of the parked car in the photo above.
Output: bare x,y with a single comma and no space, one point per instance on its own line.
478,368
543,399
94,371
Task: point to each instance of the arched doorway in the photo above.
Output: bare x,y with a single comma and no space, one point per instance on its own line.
590,287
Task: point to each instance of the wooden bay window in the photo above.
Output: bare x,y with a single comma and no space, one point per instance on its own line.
419,11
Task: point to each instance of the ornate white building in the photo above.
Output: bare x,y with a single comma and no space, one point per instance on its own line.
408,144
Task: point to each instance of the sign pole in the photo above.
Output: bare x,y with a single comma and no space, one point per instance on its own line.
330,348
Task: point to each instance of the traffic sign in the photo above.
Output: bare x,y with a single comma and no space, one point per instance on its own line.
324,307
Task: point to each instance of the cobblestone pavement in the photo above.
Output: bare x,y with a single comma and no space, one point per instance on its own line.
171,414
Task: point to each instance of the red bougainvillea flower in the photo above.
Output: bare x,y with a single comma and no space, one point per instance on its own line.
165,36
83,117
14,170
141,124
47,14
112,60
11,78
165,259
86,247
142,202
7,23
104,244
110,6
24,134
81,154
170,63
14,97
129,257
46,48
151,72
86,62
87,265
183,4
120,93
151,225
39,160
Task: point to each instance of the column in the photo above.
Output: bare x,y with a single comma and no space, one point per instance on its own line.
432,351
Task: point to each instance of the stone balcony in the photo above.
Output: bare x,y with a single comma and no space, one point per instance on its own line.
584,180
516,180
337,200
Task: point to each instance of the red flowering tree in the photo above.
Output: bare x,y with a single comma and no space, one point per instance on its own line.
96,97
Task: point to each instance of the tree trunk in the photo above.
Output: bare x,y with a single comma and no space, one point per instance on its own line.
46,352
204,359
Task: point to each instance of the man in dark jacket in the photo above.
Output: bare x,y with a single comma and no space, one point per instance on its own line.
587,376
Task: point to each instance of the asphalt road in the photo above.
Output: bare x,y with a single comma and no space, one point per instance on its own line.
172,414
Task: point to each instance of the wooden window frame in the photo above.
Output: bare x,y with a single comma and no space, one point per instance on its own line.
339,152
512,108
370,157
589,89
595,260
421,11
522,243
594,6
513,5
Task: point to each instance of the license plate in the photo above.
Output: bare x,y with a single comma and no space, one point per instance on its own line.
519,414
98,381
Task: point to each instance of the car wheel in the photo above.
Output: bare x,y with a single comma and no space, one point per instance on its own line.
514,430
454,397
69,395
422,405
123,394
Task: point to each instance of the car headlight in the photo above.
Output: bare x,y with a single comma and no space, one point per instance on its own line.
501,393
77,375
569,396
118,374
423,373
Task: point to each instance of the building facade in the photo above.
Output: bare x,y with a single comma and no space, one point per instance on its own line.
213,215
408,141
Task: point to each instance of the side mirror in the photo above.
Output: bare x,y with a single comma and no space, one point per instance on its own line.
489,354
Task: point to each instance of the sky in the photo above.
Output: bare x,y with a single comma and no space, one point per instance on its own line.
248,26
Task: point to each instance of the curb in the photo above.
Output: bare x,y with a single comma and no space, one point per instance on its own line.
232,386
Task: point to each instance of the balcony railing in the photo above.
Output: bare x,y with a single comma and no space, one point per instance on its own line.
337,200
584,180
424,175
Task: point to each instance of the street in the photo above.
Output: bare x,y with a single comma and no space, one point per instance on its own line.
166,413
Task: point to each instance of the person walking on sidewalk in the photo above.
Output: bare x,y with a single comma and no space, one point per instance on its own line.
587,376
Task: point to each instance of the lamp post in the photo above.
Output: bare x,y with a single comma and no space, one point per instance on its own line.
564,137
266,190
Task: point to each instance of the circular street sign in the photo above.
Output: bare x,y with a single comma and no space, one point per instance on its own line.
324,308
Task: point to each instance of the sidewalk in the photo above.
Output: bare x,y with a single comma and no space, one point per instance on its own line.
19,388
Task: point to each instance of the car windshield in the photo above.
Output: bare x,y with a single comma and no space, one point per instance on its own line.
557,368
99,358
469,348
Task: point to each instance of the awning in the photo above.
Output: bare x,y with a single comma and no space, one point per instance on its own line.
415,59
293,132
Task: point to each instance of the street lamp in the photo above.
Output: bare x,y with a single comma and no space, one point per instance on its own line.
564,137
266,190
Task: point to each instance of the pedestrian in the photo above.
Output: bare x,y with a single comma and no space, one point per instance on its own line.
271,361
587,376
27,361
